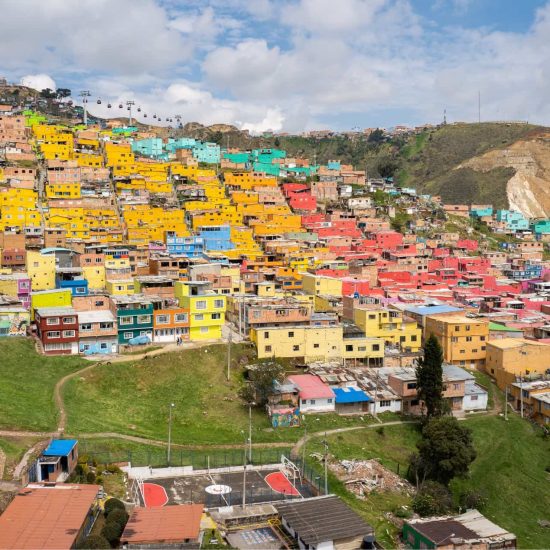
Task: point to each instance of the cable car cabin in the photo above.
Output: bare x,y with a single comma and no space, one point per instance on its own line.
58,460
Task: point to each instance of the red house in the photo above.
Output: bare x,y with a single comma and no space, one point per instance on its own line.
57,329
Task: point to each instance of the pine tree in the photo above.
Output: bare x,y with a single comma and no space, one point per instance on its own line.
429,377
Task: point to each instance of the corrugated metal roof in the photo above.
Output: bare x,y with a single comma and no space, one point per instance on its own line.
60,447
350,395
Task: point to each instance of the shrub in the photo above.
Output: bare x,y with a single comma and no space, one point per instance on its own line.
112,531
94,541
380,430
90,477
473,499
402,512
113,469
116,515
111,504
432,499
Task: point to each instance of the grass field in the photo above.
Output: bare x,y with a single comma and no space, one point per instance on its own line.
27,381
509,469
14,449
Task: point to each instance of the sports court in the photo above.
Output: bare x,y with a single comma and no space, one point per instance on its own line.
223,488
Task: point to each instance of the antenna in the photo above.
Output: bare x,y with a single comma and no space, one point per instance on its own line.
444,116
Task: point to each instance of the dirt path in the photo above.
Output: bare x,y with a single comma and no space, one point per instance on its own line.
58,397
26,457
2,463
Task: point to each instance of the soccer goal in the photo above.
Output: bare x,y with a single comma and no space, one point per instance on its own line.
291,470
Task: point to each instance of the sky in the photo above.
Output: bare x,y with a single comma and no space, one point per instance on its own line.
288,65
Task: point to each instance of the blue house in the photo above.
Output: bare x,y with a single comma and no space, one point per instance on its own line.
351,400
481,212
190,247
57,461
207,152
515,221
216,237
541,227
151,147
71,278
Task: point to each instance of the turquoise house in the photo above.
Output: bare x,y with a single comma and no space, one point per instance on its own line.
481,212
151,147
515,221
209,153
541,227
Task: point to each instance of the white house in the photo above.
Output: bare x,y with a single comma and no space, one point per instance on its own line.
314,394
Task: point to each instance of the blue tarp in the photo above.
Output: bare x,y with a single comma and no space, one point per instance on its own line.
350,395
60,447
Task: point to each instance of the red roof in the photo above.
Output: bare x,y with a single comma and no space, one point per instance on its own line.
46,516
311,387
171,524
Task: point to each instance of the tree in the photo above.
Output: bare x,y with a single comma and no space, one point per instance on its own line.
112,531
261,377
62,93
111,504
432,499
47,93
116,515
429,377
94,541
377,136
445,451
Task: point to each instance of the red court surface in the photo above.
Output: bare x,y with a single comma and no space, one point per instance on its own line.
280,483
154,495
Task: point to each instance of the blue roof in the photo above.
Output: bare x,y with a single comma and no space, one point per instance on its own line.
432,310
350,395
60,447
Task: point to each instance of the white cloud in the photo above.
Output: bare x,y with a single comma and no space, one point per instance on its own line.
38,82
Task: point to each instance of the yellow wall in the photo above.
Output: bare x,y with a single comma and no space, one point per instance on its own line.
41,270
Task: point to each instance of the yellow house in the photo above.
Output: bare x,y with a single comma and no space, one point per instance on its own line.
390,326
95,275
63,190
321,285
120,287
41,270
312,343
206,309
511,358
464,340
59,297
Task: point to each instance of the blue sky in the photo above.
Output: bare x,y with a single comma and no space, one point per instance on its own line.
289,65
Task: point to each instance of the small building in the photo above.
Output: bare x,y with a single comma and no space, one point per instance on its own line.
168,527
351,400
469,530
314,394
323,523
57,329
50,517
57,461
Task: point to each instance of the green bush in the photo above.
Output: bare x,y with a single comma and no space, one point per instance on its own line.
473,499
112,531
111,504
90,477
432,499
380,430
94,541
116,515
402,512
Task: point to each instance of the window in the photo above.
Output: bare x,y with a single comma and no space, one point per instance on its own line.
482,338
267,349
103,345
68,333
457,328
218,303
128,335
372,316
315,346
204,329
85,327
413,338
199,317
200,304
181,317
349,347
456,386
295,348
216,316
266,335
474,351
99,303
53,334
454,339
468,338
142,319
411,386
52,321
473,397
376,347
163,319
467,327
483,348
312,401
385,403
329,400
291,334
462,351
402,339
105,326
125,320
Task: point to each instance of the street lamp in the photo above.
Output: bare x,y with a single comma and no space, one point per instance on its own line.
250,405
244,472
172,405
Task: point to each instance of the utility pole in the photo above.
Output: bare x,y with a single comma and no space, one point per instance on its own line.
229,340
172,405
85,94
376,395
304,446
326,464
244,474
521,394
250,432
129,105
